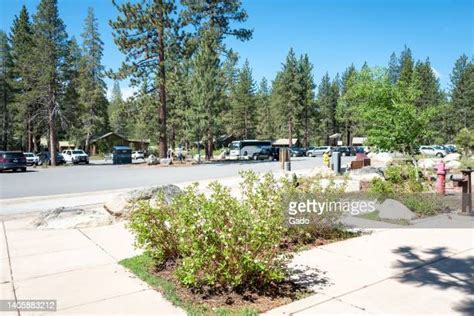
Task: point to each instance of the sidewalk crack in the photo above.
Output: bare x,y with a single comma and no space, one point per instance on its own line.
10,265
95,243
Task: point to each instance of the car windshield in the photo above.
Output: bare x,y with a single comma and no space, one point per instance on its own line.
234,146
29,155
13,154
77,152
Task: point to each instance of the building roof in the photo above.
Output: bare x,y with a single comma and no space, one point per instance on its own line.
107,135
358,140
284,141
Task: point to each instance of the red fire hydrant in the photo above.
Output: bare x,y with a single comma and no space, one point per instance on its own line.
441,179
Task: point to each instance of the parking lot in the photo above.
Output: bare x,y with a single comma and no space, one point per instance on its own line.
98,176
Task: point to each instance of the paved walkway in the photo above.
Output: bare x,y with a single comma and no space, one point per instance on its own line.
389,271
78,268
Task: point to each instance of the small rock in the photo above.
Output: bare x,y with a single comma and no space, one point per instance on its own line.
166,161
380,160
452,157
392,209
366,174
124,202
152,160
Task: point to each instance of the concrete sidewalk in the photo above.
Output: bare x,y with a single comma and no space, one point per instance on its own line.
78,268
394,271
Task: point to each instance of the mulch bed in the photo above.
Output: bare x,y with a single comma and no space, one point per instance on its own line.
259,299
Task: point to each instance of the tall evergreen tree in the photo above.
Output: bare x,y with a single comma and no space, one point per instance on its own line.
427,84
50,50
144,32
243,104
308,110
462,94
6,92
266,118
344,110
393,69
92,91
406,67
117,111
327,104
287,95
22,48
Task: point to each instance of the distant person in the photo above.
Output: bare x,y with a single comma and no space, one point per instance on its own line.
326,159
180,154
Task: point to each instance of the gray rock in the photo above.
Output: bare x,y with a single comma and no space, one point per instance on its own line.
166,161
152,160
68,218
392,209
366,174
124,202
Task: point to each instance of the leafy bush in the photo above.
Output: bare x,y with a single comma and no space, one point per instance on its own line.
422,203
217,240
398,179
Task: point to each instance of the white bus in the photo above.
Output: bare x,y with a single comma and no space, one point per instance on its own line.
245,149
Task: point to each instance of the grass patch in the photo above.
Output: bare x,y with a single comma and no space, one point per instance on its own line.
141,267
374,216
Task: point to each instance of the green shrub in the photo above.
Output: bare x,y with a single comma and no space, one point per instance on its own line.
424,204
217,240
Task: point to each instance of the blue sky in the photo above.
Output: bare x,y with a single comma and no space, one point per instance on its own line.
333,33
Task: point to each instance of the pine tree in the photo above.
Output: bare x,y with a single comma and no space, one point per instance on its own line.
427,84
243,104
344,110
393,69
326,102
6,92
462,94
143,32
406,67
266,118
22,48
50,50
207,90
287,95
92,88
117,111
308,109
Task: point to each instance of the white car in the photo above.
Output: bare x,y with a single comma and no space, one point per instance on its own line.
432,151
75,156
138,155
319,151
31,159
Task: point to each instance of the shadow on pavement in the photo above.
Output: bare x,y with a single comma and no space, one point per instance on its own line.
439,271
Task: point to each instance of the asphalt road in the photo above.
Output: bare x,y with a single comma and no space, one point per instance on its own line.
98,177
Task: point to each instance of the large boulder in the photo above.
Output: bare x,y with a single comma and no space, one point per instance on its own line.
366,174
428,163
453,164
392,209
322,171
69,218
166,161
452,157
124,202
380,160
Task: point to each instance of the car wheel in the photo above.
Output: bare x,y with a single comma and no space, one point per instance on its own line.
440,155
23,169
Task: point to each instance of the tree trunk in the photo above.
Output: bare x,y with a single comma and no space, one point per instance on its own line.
162,111
210,147
290,134
52,138
29,134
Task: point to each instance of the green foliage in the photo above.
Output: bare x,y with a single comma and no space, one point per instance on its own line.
6,92
398,179
465,140
217,240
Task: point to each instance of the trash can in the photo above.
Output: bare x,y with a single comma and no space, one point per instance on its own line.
121,155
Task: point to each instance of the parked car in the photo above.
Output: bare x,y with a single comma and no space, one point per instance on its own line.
450,148
31,159
319,151
345,150
75,156
432,151
264,153
45,158
297,152
12,160
138,154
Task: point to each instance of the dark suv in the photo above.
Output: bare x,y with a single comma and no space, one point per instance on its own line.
44,158
12,160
